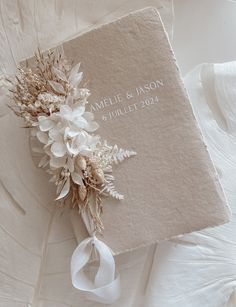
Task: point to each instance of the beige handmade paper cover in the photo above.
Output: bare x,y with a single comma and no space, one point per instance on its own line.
170,187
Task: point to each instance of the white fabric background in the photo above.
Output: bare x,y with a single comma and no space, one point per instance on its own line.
36,241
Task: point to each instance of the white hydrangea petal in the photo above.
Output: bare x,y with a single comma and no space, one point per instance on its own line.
77,178
58,149
89,116
57,162
55,117
93,140
78,111
91,126
41,117
55,135
66,112
85,151
70,100
80,122
61,126
42,137
72,148
74,128
82,138
45,123
72,133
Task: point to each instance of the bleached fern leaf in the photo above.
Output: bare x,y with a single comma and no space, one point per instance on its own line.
109,189
120,154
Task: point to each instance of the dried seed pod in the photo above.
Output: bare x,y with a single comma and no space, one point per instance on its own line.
82,192
98,175
81,163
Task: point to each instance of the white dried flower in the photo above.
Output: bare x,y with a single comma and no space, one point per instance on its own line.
79,162
66,132
49,98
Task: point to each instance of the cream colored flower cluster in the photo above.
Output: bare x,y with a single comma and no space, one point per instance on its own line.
53,104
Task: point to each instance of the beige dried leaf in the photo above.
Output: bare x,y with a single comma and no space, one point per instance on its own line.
57,87
82,192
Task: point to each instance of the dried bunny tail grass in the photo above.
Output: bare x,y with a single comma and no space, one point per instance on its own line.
40,90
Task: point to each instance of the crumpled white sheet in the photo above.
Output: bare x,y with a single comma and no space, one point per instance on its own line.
199,269
28,24
36,242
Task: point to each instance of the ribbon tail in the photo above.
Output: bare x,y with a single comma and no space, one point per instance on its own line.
105,288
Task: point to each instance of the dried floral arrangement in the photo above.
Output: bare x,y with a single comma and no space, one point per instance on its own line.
52,103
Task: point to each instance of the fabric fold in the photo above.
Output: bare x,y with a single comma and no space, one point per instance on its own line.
106,286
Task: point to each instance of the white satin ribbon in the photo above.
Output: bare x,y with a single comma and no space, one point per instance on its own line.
106,286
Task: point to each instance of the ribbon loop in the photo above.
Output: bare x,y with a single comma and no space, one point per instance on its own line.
106,286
